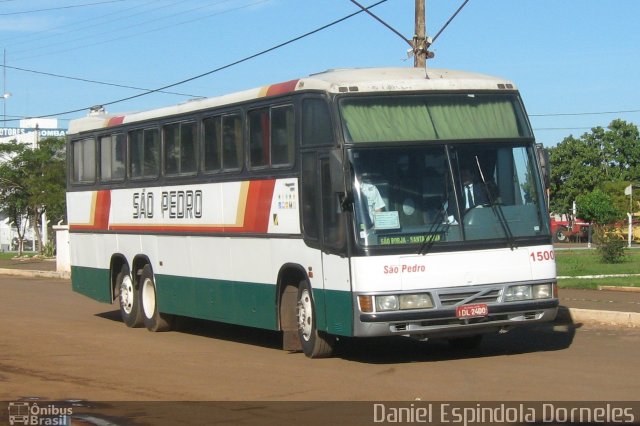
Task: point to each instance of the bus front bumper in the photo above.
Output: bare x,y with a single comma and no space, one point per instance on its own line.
444,323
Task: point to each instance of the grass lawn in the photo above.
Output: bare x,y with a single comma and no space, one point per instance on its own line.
12,254
573,263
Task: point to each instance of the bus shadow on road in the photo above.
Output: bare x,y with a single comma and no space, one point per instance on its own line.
392,350
216,330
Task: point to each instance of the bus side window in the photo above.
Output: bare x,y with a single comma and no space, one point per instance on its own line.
282,136
259,135
84,160
144,153
112,157
212,143
188,148
179,148
231,141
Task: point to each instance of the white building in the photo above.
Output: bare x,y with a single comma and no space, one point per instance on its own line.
31,131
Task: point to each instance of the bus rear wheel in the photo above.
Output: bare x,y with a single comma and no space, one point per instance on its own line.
315,344
129,299
153,319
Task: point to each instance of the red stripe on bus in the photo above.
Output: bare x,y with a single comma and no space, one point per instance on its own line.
256,215
114,121
101,209
281,88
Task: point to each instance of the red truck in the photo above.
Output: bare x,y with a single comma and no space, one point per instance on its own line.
564,229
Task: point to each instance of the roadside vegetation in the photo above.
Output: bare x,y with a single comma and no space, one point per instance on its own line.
579,263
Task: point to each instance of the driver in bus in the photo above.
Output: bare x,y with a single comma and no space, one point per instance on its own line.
472,194
372,197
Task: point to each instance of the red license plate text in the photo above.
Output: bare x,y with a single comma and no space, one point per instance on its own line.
472,311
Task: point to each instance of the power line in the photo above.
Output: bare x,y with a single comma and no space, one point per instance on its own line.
94,81
239,61
32,37
21,55
60,8
563,128
561,114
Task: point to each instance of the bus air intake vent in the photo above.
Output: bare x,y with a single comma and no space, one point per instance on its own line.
482,296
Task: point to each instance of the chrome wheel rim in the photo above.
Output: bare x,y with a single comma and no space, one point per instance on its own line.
305,315
127,294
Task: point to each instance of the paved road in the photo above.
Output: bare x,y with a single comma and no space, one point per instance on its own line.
607,300
56,344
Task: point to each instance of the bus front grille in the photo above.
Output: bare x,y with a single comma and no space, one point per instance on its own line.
468,297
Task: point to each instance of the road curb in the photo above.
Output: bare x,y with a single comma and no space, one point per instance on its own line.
619,288
599,317
35,274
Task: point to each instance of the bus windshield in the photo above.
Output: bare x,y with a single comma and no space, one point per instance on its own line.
373,119
446,193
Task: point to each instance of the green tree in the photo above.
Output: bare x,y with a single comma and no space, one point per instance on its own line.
32,182
580,165
598,207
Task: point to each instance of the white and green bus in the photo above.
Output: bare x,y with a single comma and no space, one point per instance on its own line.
333,205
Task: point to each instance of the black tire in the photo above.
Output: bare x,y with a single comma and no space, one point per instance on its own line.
559,236
153,319
466,343
315,344
129,299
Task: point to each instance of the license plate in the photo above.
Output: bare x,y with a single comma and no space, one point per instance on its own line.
472,311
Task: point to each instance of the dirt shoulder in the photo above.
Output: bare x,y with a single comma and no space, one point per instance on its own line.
30,263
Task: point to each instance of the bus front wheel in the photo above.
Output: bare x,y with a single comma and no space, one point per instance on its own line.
153,319
129,299
315,344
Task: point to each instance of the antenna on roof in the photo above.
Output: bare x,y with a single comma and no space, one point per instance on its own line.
97,110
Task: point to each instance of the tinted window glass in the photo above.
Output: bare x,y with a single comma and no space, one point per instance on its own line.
84,160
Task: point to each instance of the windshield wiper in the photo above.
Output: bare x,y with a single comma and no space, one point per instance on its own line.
497,209
430,235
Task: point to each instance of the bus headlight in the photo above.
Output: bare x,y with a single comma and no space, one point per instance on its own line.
415,301
518,292
528,292
542,291
393,302
386,303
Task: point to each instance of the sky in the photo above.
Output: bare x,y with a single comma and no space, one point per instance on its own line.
576,62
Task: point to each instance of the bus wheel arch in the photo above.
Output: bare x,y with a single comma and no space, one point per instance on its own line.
289,278
118,262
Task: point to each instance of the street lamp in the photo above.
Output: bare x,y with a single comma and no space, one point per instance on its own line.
629,191
5,96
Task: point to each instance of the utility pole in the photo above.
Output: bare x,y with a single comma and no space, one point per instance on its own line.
420,36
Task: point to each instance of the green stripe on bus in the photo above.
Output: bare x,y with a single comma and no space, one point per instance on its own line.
338,311
92,282
242,303
234,302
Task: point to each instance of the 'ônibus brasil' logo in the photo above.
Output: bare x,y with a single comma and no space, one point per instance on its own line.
27,413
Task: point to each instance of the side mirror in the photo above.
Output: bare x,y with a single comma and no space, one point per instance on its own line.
543,160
